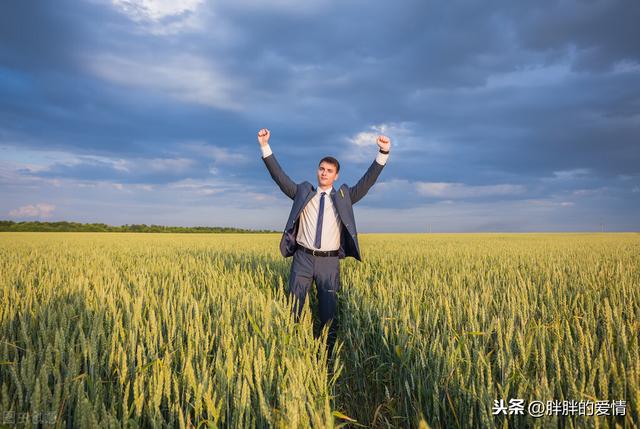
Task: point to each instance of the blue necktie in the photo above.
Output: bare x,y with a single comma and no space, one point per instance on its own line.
319,225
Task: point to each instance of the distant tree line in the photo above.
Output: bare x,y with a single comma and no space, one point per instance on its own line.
36,226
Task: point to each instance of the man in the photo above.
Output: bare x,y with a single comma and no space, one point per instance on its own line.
321,229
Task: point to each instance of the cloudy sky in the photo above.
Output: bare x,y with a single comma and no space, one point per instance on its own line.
503,115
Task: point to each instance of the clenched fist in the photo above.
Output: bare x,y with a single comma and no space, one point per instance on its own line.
263,137
384,142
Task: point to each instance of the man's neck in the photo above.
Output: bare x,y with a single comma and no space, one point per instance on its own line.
326,188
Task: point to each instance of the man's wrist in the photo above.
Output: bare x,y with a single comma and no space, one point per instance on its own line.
386,152
382,157
266,150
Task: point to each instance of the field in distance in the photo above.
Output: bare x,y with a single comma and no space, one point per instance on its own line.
176,330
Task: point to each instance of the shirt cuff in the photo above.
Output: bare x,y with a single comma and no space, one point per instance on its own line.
382,158
266,150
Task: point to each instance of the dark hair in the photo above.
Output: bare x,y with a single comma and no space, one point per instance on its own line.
330,160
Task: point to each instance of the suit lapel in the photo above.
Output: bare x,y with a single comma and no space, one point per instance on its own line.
338,203
308,198
310,195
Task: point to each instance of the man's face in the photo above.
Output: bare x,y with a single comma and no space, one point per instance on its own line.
327,174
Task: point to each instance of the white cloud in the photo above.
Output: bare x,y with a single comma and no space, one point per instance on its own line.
184,77
368,138
289,7
20,174
137,164
115,163
172,16
459,190
238,193
576,173
155,10
261,197
551,202
362,145
393,185
41,210
364,138
197,185
219,155
169,164
589,192
165,17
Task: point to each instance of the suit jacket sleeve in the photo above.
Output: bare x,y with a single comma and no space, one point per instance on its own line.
365,183
287,185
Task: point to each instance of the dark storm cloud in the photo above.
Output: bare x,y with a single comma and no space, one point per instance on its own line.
530,129
578,122
603,32
491,94
37,34
49,100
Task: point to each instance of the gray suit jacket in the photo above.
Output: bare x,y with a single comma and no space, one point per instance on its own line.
343,200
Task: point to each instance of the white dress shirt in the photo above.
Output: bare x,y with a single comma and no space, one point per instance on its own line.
331,224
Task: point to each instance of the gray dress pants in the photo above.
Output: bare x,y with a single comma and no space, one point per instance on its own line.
325,270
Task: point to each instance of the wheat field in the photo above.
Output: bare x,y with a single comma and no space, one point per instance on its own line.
194,330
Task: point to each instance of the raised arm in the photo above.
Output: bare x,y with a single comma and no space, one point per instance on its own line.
287,185
371,175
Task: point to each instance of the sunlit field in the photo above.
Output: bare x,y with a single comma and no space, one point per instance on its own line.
194,330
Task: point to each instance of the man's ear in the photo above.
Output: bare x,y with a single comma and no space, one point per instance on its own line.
337,175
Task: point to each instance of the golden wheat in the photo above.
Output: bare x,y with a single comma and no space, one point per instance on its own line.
176,330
